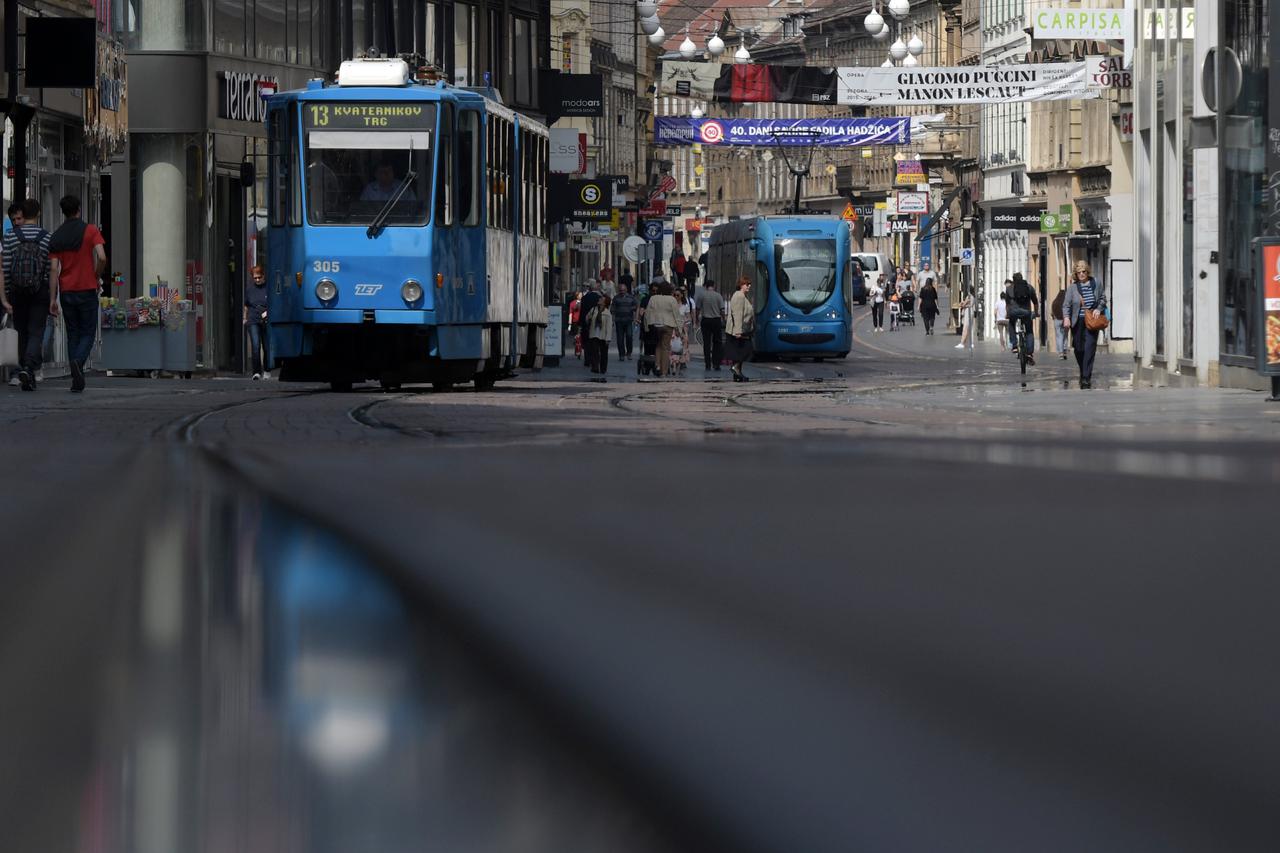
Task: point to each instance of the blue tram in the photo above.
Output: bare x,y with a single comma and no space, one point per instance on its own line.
407,234
801,276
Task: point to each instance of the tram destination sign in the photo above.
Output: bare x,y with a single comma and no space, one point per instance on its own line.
403,115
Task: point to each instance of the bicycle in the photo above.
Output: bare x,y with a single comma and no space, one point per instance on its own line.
1024,350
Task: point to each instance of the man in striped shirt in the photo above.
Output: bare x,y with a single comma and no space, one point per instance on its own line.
25,289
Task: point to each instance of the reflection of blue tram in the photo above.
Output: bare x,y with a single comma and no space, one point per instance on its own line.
407,232
801,278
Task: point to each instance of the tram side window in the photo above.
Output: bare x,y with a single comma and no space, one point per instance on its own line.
444,198
544,166
278,168
295,169
469,173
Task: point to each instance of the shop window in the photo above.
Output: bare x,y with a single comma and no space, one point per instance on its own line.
160,24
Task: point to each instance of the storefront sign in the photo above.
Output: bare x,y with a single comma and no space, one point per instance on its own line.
591,200
401,115
238,95
901,226
568,151
831,133
1158,24
655,208
1016,218
571,94
553,333
1108,72
1125,121
1057,223
1269,293
982,84
913,202
1081,24
910,173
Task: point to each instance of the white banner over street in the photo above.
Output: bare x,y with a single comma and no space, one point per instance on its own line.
979,84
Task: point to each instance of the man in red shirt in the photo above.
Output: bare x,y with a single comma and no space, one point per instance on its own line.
78,259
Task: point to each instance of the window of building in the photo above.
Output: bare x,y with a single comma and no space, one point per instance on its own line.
161,24
464,19
269,29
229,27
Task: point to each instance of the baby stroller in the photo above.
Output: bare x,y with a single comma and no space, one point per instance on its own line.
907,309
647,363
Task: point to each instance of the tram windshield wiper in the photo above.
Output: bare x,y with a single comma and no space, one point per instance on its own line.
379,222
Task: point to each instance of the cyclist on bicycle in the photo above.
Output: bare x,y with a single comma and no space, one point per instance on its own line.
1023,308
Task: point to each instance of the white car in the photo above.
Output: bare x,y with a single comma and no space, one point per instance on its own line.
875,264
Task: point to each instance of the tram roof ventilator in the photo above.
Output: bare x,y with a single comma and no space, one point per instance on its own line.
373,72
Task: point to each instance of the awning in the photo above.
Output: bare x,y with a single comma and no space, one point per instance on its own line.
930,225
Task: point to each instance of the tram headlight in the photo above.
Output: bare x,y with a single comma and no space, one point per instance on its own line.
326,290
411,291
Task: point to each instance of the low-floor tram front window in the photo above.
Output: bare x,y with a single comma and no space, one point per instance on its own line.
806,271
367,162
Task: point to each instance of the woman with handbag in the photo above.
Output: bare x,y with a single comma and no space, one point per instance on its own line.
661,318
741,326
1083,313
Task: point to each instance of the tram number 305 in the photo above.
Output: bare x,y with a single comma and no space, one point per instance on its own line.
327,266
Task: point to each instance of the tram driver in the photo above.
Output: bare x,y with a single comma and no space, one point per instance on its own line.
384,185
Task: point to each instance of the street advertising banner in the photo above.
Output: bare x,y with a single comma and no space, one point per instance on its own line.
590,200
1269,291
580,95
734,84
1082,24
824,132
913,202
977,84
909,173
1108,72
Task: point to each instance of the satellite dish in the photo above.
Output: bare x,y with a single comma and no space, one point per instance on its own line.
631,248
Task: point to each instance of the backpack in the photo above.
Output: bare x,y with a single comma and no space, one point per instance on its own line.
27,269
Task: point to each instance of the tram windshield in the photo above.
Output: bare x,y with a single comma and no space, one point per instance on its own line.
806,271
353,175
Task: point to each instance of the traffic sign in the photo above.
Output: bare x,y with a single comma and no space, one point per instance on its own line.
966,257
653,230
849,215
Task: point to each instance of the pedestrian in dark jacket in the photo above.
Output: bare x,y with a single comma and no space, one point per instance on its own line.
624,318
928,305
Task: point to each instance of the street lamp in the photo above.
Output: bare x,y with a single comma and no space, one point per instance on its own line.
910,61
898,50
743,56
658,36
915,47
873,22
900,8
696,112
687,47
715,45
646,8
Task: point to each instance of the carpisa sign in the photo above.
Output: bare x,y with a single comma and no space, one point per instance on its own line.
1081,24
983,84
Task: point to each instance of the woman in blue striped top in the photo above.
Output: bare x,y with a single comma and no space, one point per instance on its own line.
1084,292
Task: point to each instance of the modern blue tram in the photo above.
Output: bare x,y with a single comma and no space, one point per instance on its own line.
407,237
801,276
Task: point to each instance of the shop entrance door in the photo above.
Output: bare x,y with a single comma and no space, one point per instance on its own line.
228,263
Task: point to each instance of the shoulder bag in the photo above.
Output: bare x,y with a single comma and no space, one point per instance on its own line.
1095,319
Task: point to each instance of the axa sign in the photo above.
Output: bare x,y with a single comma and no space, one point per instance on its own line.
239,95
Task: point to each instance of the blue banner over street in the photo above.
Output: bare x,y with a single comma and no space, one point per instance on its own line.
830,132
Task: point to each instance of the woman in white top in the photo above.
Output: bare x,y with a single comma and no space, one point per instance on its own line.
875,293
1002,319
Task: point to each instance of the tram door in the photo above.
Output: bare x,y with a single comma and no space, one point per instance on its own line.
229,262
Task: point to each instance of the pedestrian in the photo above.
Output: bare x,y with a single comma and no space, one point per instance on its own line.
599,326
255,323
79,260
661,318
1002,320
966,321
740,328
680,341
575,321
1084,294
14,216
709,310
925,276
876,294
629,280
677,266
928,305
28,294
1060,329
624,316
588,301
691,271
608,287
895,311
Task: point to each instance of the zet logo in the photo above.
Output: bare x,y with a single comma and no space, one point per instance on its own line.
590,195
711,132
368,289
